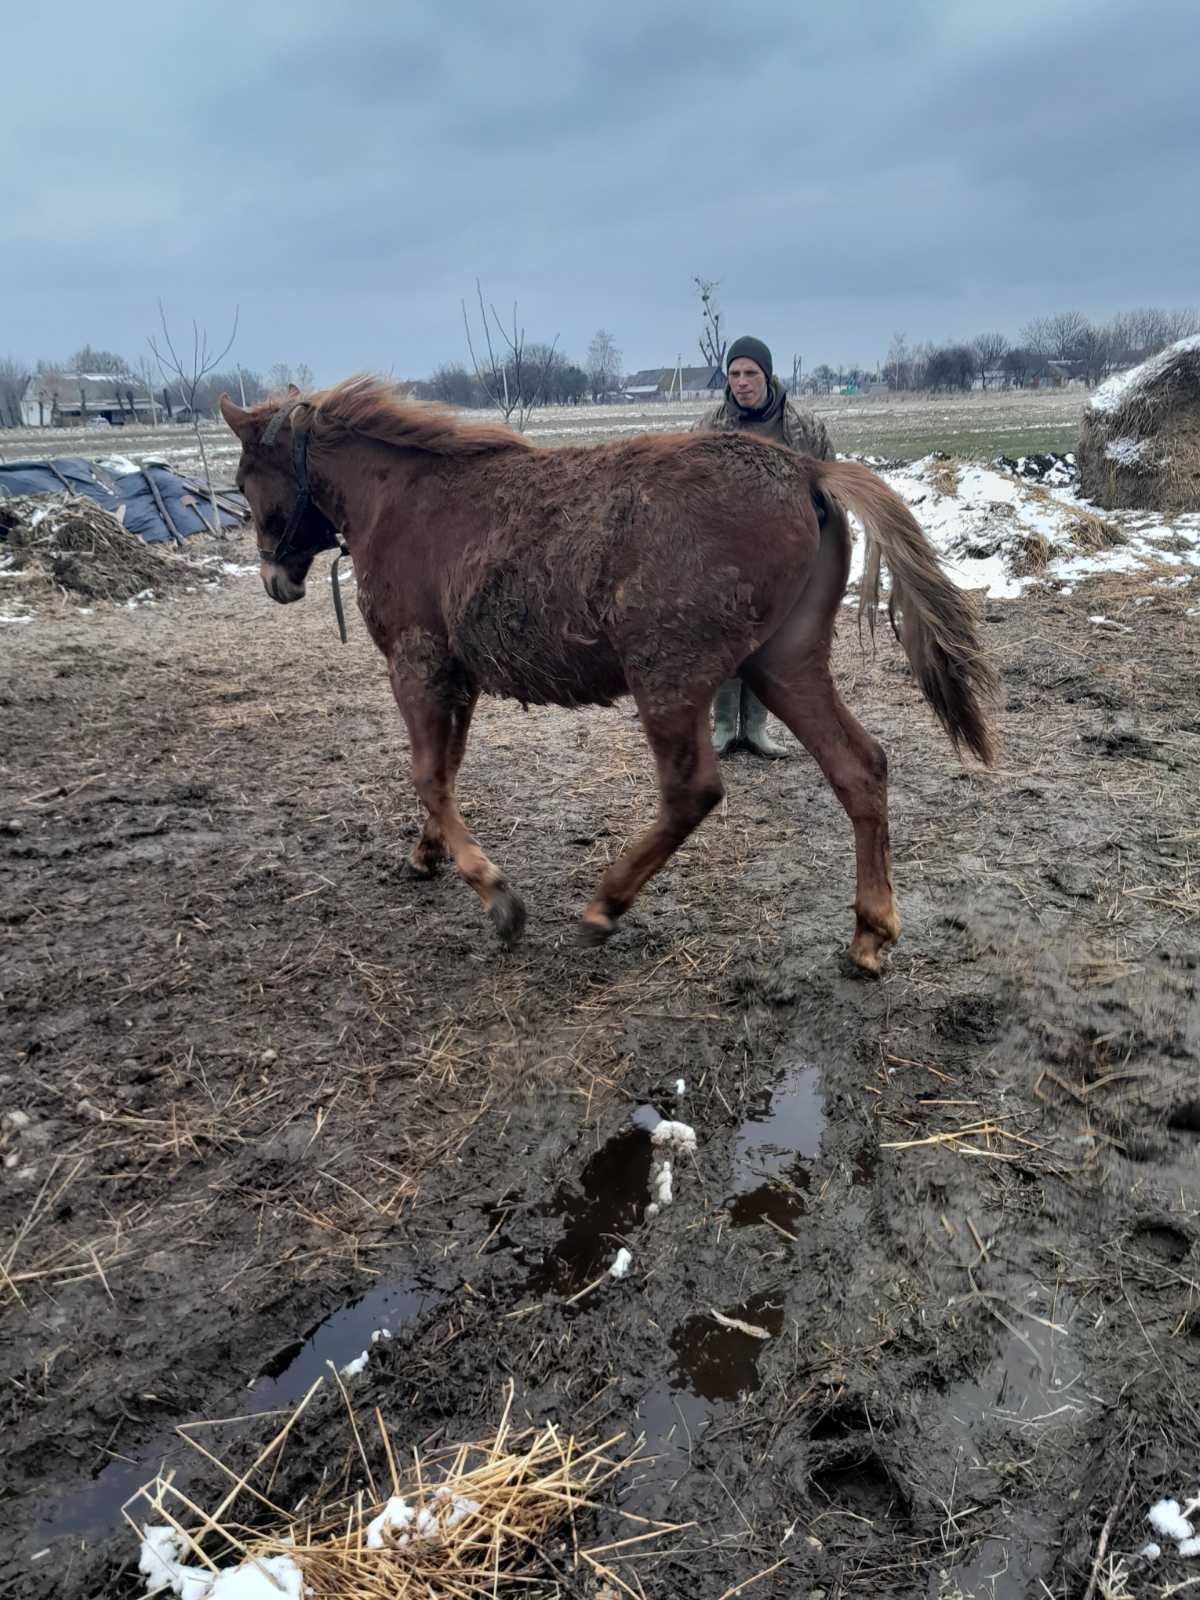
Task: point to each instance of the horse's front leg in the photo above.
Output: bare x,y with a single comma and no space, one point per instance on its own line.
689,786
430,849
437,714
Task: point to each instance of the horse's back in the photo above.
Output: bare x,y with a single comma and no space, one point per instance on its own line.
609,568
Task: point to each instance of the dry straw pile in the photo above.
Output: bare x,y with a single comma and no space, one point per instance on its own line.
1140,446
495,1518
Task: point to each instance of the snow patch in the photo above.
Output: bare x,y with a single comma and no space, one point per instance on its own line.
1126,452
621,1263
982,531
256,1578
1123,386
399,1523
667,1139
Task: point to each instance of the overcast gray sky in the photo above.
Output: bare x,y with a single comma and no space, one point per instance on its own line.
343,172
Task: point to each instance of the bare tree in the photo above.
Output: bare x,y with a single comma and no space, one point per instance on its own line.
1057,338
897,369
145,378
1136,335
190,375
990,349
453,385
1095,351
97,362
283,373
1020,363
14,375
713,342
1183,324
604,364
951,366
514,385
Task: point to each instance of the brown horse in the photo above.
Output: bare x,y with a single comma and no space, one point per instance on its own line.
656,567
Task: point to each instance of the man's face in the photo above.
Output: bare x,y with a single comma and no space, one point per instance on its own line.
748,383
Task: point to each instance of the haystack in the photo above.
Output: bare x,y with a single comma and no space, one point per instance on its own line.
66,544
1140,446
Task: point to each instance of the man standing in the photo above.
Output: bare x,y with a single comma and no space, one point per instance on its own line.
756,402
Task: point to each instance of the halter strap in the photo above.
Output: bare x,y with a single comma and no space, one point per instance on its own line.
280,417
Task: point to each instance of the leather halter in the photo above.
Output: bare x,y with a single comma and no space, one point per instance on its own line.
326,535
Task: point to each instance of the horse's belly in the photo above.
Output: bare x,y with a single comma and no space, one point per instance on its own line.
539,661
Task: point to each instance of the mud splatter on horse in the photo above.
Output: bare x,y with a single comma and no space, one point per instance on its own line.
655,567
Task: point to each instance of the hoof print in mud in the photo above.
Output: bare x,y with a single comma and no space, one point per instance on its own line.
860,1485
1161,1239
1185,1117
842,1420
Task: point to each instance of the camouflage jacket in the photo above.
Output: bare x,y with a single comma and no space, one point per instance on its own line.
779,419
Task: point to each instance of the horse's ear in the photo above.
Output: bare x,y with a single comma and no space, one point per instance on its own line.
293,388
235,416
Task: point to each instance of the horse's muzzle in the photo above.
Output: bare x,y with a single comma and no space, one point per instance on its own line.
278,585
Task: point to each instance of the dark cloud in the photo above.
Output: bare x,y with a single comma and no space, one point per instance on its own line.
344,173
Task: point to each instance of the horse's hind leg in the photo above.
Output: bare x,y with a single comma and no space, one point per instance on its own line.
689,786
437,733
804,696
430,849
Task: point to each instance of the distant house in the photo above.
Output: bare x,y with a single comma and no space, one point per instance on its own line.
676,383
67,399
1061,374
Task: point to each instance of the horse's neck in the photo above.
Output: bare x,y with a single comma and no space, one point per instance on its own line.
360,483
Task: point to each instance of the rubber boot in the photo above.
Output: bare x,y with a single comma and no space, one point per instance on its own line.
726,703
754,728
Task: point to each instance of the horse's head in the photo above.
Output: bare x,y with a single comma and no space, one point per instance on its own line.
273,476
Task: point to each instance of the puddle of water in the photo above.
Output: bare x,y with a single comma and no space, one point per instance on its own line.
781,1133
718,1363
781,1204
671,1420
1032,1375
1033,1378
1002,1569
712,1364
785,1123
339,1337
94,1509
614,1186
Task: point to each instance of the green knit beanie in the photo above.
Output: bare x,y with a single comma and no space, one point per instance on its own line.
753,350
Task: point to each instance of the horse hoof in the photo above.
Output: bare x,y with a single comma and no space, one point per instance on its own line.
863,967
862,962
593,932
507,911
422,870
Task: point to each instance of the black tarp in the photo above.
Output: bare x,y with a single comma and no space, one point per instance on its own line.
180,494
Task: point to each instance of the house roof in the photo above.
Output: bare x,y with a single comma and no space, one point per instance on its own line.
95,386
666,377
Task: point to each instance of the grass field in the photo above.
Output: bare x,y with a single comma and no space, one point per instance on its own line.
972,426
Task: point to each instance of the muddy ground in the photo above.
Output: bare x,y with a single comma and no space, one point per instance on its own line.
272,1094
